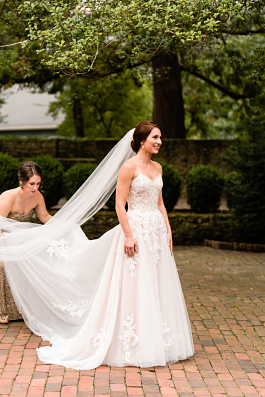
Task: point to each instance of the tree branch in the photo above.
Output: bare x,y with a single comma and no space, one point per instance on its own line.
94,73
2,6
232,95
243,32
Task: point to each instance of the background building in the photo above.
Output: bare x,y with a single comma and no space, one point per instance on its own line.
26,113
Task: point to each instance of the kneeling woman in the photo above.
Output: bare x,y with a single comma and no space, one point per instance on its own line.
19,204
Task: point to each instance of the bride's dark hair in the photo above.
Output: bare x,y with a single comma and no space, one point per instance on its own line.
27,170
141,132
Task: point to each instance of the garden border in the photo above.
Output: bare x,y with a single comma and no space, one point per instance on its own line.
225,245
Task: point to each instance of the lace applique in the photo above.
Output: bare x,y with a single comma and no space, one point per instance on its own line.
144,213
144,193
169,341
132,262
151,223
99,337
75,309
128,337
59,248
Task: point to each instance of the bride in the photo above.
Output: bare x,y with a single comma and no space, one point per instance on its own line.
116,300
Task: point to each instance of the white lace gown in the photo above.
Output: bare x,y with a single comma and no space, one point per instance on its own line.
137,313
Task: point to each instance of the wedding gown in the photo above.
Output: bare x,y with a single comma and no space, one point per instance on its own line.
93,303
137,314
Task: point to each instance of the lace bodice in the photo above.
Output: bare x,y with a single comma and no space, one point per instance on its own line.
20,217
144,215
144,193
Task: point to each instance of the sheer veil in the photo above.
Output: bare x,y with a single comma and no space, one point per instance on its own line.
53,269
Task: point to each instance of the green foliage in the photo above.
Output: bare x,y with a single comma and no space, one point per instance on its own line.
238,69
171,186
247,157
77,33
8,172
76,176
52,178
2,117
204,188
110,106
231,184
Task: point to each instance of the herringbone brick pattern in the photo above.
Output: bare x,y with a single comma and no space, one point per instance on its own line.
225,296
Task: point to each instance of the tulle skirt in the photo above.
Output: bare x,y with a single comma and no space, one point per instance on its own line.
137,313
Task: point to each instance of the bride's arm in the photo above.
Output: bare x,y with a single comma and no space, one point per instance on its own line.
162,209
122,191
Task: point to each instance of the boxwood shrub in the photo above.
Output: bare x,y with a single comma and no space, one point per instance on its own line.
76,176
171,186
8,172
52,178
205,185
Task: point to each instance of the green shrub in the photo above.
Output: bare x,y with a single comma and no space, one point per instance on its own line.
111,201
204,188
247,157
8,172
231,182
52,178
171,186
76,176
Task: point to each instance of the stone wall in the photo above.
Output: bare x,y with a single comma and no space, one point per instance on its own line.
182,154
187,229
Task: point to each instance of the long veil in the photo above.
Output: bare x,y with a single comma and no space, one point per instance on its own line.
53,269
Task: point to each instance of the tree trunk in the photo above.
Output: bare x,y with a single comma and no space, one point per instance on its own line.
78,116
168,107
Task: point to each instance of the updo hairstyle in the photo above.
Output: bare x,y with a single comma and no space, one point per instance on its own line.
141,132
27,170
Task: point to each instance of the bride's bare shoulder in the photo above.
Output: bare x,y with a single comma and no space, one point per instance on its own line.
158,166
129,165
128,169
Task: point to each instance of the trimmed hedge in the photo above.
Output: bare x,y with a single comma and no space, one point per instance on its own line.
171,186
8,172
76,176
205,185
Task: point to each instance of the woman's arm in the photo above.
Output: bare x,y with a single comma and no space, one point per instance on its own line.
162,209
41,209
122,191
6,204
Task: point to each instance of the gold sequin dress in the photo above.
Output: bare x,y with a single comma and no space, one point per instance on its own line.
8,308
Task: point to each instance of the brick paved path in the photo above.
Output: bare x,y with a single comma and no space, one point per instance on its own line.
225,295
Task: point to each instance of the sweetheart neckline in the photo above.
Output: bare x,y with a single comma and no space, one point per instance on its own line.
19,213
152,180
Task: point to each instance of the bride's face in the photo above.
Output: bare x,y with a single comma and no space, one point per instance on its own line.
32,185
153,141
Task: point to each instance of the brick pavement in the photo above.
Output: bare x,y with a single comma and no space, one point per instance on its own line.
225,296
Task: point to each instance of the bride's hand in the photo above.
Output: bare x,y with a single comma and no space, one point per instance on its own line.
2,235
170,243
130,246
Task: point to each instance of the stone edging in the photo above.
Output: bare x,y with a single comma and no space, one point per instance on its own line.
224,245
